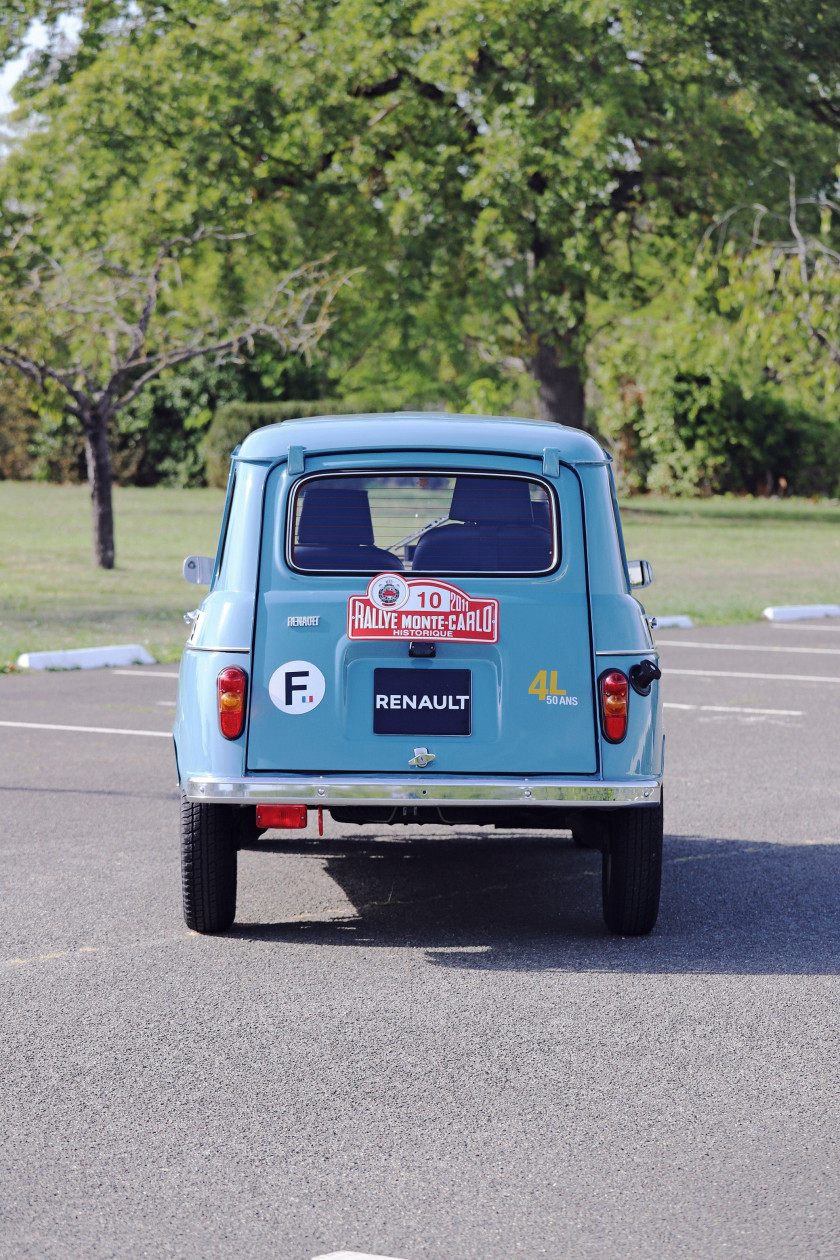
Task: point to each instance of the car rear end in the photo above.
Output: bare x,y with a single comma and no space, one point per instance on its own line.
432,633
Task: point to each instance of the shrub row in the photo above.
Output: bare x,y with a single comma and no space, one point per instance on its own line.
702,435
234,421
677,432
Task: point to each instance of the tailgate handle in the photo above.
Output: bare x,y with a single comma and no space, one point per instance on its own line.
418,647
421,758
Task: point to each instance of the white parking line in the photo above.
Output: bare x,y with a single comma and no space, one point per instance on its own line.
731,673
787,625
734,708
352,1255
746,647
87,730
142,673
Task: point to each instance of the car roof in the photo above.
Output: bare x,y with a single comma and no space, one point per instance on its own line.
418,430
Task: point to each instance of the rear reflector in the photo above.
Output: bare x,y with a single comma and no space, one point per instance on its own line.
231,685
289,816
615,692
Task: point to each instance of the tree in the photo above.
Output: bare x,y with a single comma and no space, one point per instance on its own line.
732,383
92,330
510,173
780,269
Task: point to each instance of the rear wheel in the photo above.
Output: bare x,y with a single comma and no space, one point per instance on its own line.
209,836
632,870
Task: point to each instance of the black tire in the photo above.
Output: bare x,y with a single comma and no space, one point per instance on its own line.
209,835
632,870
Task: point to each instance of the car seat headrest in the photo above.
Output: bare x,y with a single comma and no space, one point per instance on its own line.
329,516
491,500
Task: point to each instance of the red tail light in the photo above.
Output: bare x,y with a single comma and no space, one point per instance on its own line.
615,693
281,816
231,686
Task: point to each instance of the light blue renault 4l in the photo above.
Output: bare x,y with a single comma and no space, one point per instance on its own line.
421,619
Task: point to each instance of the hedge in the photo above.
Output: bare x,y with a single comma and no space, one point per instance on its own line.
234,421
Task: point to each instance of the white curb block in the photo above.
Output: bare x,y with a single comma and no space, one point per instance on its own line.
800,612
680,622
87,658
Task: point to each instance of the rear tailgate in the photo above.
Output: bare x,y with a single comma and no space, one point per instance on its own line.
508,691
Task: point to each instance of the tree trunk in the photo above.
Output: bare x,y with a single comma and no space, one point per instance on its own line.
100,480
559,375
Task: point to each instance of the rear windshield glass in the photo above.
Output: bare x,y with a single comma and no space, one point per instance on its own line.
423,523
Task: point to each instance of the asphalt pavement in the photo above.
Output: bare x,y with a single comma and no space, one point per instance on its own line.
422,1043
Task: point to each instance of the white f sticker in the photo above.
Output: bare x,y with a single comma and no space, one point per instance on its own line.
297,687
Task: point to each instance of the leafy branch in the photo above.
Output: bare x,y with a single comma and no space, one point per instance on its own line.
99,328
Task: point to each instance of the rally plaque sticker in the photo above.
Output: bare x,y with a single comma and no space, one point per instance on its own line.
297,687
395,607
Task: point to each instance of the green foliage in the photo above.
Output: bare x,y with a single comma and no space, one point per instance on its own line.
705,434
234,421
159,439
162,437
513,177
496,166
173,432
57,449
156,440
19,423
778,286
500,396
734,385
692,407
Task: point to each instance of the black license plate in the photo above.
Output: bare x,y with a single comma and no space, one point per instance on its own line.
422,701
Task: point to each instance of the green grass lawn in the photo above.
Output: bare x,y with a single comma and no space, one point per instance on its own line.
724,560
719,560
53,596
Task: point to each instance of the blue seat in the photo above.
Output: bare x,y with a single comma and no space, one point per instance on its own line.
491,529
335,531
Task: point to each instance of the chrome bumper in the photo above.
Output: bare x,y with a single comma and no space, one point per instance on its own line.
373,790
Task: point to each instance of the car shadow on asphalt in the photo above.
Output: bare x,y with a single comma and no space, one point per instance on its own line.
525,902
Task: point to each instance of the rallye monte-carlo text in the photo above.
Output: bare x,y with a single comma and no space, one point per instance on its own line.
421,618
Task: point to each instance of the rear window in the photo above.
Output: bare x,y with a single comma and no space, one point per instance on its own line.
423,523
